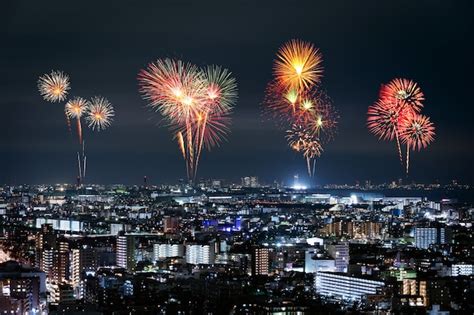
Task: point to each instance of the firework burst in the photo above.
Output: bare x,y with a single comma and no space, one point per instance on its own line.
174,88
297,102
74,109
100,113
298,65
396,116
303,140
54,87
417,131
403,91
195,103
383,119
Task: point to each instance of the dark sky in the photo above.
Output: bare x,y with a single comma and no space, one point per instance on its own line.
103,46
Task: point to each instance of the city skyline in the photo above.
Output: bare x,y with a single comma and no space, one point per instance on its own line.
360,51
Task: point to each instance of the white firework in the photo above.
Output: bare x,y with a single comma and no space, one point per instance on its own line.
99,114
54,86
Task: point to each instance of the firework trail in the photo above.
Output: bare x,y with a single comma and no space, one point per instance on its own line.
54,87
195,103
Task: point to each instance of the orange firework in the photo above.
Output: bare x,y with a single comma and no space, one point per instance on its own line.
405,92
301,139
298,65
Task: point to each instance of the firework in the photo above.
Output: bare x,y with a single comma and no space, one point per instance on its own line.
383,120
298,65
301,139
221,89
297,102
397,116
74,109
417,132
54,87
174,88
280,105
99,114
405,92
195,103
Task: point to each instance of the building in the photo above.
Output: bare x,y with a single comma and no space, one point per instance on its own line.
313,263
250,181
125,254
344,287
161,251
170,224
197,254
426,236
462,270
340,253
260,261
370,229
20,289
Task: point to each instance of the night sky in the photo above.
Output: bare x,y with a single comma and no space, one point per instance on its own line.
103,46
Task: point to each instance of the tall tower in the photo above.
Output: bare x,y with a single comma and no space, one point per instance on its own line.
126,251
260,261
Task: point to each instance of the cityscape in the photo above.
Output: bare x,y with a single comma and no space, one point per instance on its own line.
270,157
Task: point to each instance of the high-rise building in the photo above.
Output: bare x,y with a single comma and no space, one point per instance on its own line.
125,255
260,261
62,264
340,253
426,236
45,239
161,251
345,287
200,254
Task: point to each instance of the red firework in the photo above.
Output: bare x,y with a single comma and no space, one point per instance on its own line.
403,91
417,131
384,118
